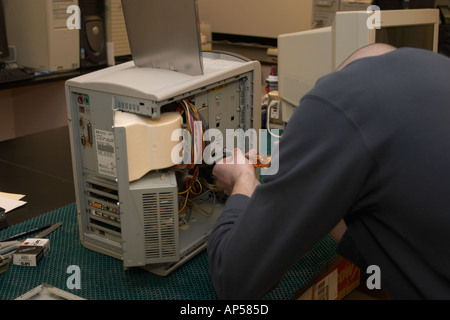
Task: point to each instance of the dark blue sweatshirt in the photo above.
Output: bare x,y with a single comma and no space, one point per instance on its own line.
369,144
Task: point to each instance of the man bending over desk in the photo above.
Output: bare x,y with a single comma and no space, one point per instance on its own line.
365,157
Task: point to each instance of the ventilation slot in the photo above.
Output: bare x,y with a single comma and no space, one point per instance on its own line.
159,225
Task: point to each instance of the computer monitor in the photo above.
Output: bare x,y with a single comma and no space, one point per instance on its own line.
418,28
305,56
4,53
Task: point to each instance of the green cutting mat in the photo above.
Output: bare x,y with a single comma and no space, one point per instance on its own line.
104,278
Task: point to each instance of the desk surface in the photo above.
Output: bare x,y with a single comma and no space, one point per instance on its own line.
42,79
39,166
57,76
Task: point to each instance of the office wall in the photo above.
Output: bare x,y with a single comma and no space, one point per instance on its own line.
260,18
30,109
6,115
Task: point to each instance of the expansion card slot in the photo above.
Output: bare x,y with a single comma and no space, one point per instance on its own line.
103,209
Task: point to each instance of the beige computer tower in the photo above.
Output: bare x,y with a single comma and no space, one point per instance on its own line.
38,31
122,120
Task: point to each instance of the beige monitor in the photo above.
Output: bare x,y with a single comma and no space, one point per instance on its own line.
304,57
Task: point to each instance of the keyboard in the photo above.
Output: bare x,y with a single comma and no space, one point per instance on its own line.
8,75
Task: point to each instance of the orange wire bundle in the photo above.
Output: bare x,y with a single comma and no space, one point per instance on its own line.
193,188
194,126
195,129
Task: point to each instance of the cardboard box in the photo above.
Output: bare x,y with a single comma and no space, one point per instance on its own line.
31,252
337,279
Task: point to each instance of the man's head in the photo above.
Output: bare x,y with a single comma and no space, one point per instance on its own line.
370,50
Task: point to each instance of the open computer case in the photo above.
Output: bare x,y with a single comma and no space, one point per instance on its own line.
133,203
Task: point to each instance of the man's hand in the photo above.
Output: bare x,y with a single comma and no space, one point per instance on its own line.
235,175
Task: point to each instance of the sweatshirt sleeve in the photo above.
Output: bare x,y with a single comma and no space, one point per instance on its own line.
323,162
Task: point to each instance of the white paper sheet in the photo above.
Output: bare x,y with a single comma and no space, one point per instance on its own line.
11,201
13,196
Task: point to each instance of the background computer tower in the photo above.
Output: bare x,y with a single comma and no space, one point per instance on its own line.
92,33
38,31
325,10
